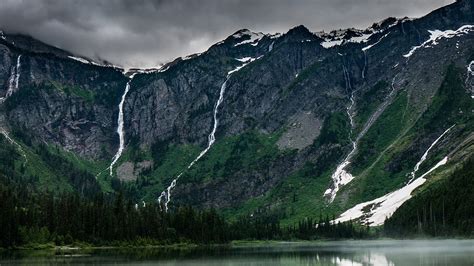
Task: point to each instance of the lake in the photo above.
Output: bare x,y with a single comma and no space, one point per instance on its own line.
379,252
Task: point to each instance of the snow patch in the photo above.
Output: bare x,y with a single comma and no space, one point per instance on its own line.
270,47
377,42
437,35
253,40
376,211
241,66
425,155
243,59
331,43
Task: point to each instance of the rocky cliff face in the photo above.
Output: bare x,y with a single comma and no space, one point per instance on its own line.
296,108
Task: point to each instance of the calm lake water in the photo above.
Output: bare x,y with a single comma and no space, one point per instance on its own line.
429,252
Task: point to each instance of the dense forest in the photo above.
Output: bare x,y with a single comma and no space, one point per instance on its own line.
443,209
29,217
67,219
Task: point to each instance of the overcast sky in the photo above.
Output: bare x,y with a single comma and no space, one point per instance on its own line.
145,33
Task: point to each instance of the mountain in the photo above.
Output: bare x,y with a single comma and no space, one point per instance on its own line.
350,123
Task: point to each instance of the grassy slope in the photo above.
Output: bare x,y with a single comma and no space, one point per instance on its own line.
381,146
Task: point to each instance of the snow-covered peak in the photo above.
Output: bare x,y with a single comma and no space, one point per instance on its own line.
243,32
248,37
339,37
352,35
437,35
90,62
387,23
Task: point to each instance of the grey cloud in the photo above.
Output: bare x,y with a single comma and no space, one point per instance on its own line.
146,33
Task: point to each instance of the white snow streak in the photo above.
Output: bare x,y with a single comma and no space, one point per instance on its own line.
270,47
253,40
437,35
120,130
425,155
166,195
90,62
244,59
331,43
377,42
376,211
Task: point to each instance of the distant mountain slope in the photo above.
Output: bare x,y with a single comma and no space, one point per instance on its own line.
290,126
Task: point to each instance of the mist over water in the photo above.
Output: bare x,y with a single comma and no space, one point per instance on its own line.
379,252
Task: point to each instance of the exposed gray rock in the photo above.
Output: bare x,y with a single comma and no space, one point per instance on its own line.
301,131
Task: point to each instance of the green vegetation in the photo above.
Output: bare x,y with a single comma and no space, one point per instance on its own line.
86,95
336,129
28,220
392,156
371,100
48,168
245,152
300,195
169,161
445,208
382,133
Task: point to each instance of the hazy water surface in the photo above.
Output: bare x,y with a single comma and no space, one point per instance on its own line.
426,252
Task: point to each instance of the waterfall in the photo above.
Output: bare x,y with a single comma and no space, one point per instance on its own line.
18,68
14,80
470,74
341,177
165,196
120,130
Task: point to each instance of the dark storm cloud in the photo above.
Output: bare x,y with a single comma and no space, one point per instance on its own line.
149,32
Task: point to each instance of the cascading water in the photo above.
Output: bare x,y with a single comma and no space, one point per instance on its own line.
14,80
165,196
341,177
469,78
120,130
18,68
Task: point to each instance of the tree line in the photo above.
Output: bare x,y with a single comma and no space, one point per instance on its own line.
29,219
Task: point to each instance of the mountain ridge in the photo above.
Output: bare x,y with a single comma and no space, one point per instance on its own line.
298,111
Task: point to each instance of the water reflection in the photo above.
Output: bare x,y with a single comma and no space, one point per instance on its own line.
356,253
